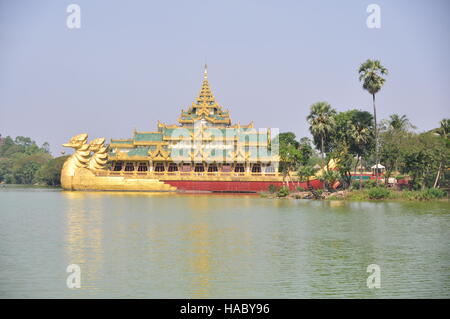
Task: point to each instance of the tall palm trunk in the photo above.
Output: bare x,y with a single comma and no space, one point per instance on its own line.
360,174
376,138
321,149
437,175
356,169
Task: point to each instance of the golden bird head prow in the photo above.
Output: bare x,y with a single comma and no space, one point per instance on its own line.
96,144
77,141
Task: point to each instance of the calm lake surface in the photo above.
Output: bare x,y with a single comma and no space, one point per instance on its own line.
160,245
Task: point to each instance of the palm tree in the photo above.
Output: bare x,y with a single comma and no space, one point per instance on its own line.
444,132
322,123
370,73
399,123
305,173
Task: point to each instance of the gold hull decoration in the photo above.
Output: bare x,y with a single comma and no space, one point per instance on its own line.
81,171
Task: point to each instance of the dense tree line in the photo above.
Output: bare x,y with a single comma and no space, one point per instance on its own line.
22,161
355,138
349,140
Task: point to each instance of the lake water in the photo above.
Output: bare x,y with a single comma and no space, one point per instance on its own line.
160,245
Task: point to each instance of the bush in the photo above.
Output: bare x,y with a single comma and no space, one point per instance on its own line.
410,195
300,189
357,195
399,177
432,193
283,192
272,189
354,186
329,178
379,193
369,183
427,194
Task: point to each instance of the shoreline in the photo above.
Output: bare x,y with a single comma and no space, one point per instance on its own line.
358,195
342,195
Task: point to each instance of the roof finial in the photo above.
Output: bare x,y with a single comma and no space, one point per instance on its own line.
205,73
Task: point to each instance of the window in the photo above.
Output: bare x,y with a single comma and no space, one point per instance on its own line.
239,168
143,167
186,167
173,167
117,166
129,167
199,168
212,168
270,169
256,168
159,167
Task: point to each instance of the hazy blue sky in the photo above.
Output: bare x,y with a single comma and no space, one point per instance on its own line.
135,62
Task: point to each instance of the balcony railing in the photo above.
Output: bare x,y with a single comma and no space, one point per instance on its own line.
184,174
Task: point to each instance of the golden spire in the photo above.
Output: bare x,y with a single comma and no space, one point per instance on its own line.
205,98
205,106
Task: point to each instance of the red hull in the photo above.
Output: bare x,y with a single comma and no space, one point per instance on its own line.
237,186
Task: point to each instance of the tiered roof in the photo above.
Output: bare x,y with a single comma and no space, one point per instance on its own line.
205,120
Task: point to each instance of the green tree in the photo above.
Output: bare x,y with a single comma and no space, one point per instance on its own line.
353,134
321,124
444,129
25,168
20,159
391,141
292,153
6,165
371,74
288,152
344,162
421,155
391,137
306,150
444,132
50,172
304,173
399,123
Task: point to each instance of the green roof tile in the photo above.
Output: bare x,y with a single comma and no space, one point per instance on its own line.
148,137
138,151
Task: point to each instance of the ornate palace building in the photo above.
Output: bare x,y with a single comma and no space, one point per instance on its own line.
204,152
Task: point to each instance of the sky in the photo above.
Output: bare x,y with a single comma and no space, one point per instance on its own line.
132,63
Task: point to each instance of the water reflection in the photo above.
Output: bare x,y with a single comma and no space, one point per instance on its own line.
84,234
